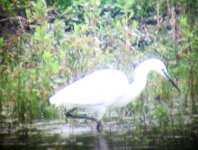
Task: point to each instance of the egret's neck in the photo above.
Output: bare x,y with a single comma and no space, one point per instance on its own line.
137,86
140,78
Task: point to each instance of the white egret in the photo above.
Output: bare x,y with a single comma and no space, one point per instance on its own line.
107,89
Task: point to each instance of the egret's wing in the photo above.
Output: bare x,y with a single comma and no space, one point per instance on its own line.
99,88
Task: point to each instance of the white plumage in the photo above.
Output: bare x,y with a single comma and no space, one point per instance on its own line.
108,88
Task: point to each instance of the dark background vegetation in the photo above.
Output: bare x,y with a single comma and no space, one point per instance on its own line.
46,44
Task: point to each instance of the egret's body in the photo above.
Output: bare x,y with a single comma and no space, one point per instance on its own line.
107,89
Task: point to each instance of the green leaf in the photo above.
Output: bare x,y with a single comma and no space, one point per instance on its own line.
47,57
135,24
184,21
1,42
55,67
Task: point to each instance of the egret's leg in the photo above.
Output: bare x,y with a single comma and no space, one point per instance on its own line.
98,121
99,126
100,111
69,114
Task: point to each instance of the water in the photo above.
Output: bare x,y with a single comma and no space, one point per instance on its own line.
61,136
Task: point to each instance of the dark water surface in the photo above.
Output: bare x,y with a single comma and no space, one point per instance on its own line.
60,136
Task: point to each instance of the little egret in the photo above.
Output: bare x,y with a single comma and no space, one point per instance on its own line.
107,89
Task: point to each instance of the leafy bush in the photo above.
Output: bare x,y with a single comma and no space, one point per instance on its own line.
62,41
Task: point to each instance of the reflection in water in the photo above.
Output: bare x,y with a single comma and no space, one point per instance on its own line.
102,143
45,136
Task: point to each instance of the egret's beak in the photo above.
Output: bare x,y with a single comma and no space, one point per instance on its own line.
169,78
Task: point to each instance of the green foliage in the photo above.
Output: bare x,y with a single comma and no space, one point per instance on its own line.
51,57
1,42
85,35
189,54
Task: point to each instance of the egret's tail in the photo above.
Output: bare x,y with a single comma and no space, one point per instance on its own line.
53,101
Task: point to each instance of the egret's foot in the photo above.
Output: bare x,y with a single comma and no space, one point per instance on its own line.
99,126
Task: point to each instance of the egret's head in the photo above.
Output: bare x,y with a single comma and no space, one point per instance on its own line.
157,66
